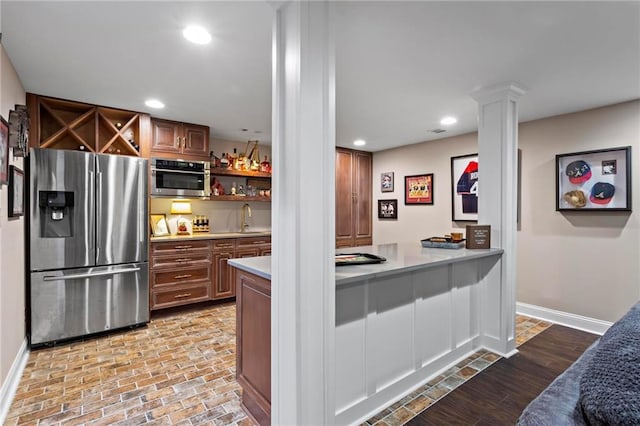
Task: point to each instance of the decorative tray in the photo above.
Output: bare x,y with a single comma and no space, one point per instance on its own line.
443,244
358,259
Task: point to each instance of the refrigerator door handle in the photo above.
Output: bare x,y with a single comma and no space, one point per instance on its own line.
142,236
92,239
89,275
98,209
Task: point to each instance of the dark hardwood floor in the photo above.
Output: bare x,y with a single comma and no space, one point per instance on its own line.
497,395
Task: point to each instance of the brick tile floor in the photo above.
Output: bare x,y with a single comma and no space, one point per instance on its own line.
178,370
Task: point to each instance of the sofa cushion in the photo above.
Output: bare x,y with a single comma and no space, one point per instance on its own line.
610,385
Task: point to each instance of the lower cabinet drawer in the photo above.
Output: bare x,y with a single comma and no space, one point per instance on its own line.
187,259
178,276
180,295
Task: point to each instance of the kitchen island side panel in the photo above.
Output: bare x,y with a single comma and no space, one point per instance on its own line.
415,325
398,324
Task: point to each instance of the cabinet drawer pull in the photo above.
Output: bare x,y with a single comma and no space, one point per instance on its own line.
186,259
224,246
258,242
182,296
179,277
183,247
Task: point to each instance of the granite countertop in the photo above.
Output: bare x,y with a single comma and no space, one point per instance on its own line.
401,257
211,236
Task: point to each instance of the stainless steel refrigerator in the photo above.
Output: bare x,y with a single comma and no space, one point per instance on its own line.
88,231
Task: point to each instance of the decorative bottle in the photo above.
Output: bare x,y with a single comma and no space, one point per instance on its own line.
265,166
224,161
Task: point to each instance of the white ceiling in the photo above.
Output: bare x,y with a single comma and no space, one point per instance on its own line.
400,66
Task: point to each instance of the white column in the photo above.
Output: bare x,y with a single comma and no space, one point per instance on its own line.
303,216
497,206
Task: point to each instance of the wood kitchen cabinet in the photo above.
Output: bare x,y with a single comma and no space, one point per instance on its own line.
190,271
222,285
253,344
78,126
180,273
174,139
353,198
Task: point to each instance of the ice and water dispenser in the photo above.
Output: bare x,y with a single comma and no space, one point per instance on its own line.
56,213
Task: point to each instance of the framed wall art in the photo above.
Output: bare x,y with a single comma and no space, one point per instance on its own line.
4,152
16,192
19,130
597,180
159,225
386,182
418,189
464,188
387,209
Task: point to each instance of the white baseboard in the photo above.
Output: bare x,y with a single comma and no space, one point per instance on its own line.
579,322
10,384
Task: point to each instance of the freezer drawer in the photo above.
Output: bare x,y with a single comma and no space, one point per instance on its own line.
76,302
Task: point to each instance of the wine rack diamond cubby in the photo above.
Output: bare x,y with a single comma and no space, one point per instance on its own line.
62,124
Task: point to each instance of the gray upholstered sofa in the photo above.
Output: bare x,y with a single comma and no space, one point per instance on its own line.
601,388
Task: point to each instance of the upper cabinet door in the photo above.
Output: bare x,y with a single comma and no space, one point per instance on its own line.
166,136
173,139
345,198
196,140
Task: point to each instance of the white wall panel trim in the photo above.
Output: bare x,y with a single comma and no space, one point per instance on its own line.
579,322
10,385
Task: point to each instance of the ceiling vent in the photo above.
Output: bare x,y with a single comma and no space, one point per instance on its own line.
437,131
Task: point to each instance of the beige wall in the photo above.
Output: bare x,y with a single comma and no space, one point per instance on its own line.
582,263
416,222
12,288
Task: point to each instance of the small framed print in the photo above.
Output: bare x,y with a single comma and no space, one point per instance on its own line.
16,192
594,180
159,225
386,182
418,189
387,209
4,152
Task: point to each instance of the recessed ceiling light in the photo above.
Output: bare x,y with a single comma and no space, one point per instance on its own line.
448,120
196,34
359,142
153,103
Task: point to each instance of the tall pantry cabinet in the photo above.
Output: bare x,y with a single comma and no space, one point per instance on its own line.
353,198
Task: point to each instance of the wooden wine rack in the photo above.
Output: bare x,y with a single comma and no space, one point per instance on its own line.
62,124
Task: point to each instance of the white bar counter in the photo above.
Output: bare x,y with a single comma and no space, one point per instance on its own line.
401,257
404,321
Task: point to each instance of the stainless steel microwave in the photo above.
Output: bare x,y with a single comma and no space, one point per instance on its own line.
180,178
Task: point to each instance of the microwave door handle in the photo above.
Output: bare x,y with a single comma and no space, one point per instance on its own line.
89,275
191,172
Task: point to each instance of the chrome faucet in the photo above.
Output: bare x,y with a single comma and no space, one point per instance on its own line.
243,222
